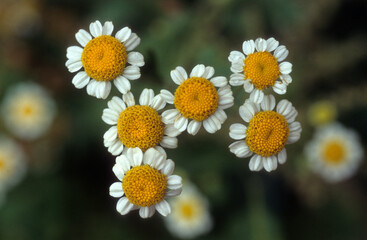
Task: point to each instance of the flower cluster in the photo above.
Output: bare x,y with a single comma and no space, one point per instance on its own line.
141,130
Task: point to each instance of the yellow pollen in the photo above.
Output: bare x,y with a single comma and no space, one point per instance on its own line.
140,126
104,58
196,98
144,186
334,152
267,133
262,68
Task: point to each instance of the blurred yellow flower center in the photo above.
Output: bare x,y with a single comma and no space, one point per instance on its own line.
187,210
322,113
104,58
27,110
144,186
140,126
262,68
267,133
334,152
2,164
196,98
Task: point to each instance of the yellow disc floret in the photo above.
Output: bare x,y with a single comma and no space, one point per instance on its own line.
267,133
144,186
333,152
140,126
104,58
262,68
196,98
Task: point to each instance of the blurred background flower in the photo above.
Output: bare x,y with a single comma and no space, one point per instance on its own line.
64,194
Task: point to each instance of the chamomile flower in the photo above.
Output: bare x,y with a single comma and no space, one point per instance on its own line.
267,133
28,110
12,163
104,59
190,216
258,69
198,100
334,153
137,125
322,113
145,181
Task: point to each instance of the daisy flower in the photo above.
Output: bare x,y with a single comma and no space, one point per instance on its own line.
137,125
104,59
145,181
12,163
190,216
334,153
322,113
198,100
267,133
257,68
28,110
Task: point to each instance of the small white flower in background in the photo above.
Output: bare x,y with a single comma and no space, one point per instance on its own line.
190,216
12,164
334,153
145,181
257,69
198,100
28,110
104,59
267,133
137,125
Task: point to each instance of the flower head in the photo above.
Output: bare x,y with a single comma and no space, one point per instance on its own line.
198,100
146,180
322,113
257,68
12,163
137,125
28,110
104,59
267,133
334,153
190,214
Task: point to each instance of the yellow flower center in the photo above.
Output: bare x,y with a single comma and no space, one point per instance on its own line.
262,68
28,110
267,133
333,152
140,126
2,165
196,98
144,186
187,210
104,58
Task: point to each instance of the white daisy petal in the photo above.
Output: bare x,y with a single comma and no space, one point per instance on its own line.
110,134
287,79
219,81
150,156
132,72
146,97
178,75
285,68
237,67
116,190
95,28
116,104
198,71
281,53
271,44
74,52
163,208
107,28
168,167
170,116
124,163
74,65
110,116
181,123
248,47
124,206
280,88
171,131
248,86
268,103
132,42
236,56
136,59
240,149
83,37
282,156
123,34
270,163
237,131
174,182
135,155
158,103
248,111
255,163
80,80
129,99
118,171
103,89
237,79
146,212
92,87
116,148
221,115
167,96
211,124
208,73
173,192
122,84
257,96
260,44
169,142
